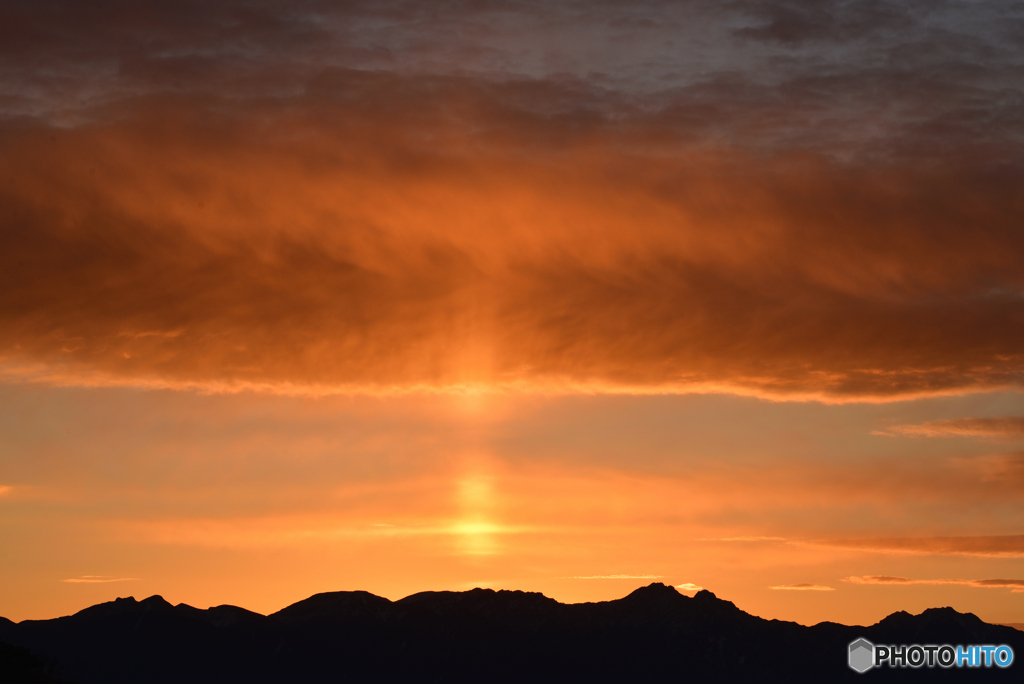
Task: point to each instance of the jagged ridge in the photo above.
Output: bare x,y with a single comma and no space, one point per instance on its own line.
653,634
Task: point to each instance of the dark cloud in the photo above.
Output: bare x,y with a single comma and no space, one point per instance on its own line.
939,79
59,56
799,21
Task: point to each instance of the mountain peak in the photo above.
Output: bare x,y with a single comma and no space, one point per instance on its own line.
657,597
118,606
334,605
154,600
486,603
946,612
656,589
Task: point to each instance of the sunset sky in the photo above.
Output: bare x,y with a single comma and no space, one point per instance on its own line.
566,297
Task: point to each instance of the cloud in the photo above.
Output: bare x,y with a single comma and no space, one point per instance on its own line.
795,23
98,579
1010,427
802,587
998,546
269,197
1016,585
688,586
743,539
305,260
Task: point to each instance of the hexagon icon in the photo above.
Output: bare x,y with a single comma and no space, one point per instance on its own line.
862,655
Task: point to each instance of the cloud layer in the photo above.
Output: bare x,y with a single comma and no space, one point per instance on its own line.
1005,546
97,579
1010,427
1016,585
262,196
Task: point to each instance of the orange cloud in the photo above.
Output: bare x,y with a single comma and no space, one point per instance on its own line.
802,587
1016,585
1000,428
1005,546
187,245
98,579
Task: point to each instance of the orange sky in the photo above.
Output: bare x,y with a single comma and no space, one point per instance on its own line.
542,296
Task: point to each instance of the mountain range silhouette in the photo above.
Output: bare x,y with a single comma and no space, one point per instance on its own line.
654,634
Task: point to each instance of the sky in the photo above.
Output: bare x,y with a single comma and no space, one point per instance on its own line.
566,297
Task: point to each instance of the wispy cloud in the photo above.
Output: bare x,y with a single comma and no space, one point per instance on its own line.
742,539
801,587
1016,585
98,579
688,586
994,428
1005,546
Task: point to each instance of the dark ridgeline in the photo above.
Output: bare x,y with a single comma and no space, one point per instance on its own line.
655,634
